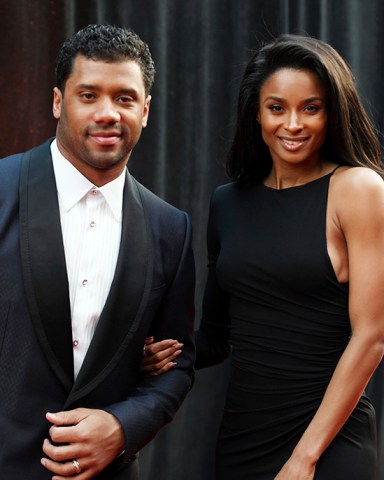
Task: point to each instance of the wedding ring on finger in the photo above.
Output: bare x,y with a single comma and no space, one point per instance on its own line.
76,465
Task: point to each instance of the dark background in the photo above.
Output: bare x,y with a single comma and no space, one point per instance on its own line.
200,48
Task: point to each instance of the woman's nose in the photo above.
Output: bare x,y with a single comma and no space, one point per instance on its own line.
294,122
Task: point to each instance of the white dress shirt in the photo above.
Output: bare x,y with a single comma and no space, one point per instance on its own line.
91,227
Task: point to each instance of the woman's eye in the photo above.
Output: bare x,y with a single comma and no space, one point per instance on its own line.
312,108
276,108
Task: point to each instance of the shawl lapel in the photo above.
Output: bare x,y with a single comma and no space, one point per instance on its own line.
46,281
128,295
43,260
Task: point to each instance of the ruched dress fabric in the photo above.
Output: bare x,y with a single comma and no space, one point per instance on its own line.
271,284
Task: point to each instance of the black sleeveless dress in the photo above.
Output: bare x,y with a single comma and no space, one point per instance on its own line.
271,283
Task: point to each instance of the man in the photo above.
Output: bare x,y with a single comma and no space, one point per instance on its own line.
91,263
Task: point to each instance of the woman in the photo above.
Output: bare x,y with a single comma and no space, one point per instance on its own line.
296,270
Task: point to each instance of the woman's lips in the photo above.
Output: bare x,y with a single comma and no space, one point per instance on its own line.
293,144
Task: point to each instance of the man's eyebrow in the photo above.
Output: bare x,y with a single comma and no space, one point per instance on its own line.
124,90
86,86
131,91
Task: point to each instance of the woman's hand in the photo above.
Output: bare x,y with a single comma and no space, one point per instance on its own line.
296,470
158,357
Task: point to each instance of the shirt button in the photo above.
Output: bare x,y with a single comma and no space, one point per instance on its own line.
94,191
75,343
92,224
84,282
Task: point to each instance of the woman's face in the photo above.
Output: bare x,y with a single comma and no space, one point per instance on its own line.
293,116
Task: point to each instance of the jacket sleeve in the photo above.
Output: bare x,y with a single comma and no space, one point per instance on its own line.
156,399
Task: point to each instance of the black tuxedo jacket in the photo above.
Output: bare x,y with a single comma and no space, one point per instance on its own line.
151,294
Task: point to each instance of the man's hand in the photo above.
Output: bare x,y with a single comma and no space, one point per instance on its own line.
85,442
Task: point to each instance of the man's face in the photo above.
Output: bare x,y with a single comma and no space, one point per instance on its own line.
100,116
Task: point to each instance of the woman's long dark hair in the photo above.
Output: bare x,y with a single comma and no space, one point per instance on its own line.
351,138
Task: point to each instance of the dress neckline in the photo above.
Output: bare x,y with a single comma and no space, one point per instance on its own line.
311,182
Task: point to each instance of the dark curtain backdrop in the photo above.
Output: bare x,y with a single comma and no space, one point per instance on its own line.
200,48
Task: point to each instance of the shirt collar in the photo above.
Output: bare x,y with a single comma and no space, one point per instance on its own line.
66,174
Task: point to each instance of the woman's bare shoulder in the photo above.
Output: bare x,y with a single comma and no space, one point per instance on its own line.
357,177
357,181
358,190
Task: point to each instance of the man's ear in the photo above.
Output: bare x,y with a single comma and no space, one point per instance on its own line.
57,102
147,104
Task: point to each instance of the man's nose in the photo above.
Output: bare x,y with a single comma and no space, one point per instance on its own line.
107,112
